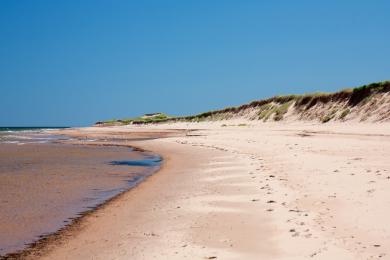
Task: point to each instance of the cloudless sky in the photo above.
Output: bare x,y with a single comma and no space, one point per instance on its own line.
76,62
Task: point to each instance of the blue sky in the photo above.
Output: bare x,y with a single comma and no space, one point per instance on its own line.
76,62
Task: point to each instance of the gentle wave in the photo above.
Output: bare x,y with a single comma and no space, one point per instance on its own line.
28,135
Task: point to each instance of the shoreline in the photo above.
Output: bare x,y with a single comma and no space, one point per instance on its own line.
269,191
34,247
136,197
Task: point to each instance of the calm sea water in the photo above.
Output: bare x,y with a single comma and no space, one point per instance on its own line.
29,128
21,135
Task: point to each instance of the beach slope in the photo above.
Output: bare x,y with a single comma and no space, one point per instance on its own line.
247,191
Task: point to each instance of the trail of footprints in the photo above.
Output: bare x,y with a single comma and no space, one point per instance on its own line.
299,228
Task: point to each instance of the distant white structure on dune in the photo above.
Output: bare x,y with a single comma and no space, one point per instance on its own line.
151,115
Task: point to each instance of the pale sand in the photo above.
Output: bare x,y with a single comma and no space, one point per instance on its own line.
260,191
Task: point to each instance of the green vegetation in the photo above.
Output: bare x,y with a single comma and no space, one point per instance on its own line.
281,110
269,113
107,122
278,105
374,87
264,110
153,118
344,113
365,92
327,118
111,121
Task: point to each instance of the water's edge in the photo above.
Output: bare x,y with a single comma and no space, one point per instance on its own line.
37,247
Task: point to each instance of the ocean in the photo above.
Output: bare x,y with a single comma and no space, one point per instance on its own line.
22,135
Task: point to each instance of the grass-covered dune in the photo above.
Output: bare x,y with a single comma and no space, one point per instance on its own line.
365,103
152,118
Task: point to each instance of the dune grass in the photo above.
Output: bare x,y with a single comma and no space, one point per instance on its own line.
344,113
138,120
281,110
277,106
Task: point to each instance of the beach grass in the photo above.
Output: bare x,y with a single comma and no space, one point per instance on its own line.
275,107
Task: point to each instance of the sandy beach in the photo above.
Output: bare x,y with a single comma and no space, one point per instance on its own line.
245,190
228,130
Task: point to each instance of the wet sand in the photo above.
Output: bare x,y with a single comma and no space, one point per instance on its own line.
45,186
